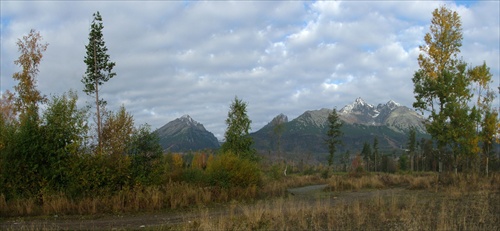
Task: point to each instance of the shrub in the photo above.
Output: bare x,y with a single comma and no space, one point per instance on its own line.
228,170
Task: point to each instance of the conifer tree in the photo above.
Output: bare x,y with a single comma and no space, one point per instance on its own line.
99,69
334,135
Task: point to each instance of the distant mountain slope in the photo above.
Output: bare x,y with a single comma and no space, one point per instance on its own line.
185,134
389,122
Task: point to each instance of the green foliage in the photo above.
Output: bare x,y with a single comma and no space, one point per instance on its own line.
64,128
412,145
403,162
238,140
24,167
375,154
388,164
227,170
99,69
94,175
344,160
442,86
366,153
334,135
146,157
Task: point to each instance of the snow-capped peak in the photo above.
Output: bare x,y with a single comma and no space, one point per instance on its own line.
392,104
358,104
359,101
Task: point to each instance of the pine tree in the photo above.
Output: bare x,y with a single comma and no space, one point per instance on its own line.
367,154
376,155
334,135
99,69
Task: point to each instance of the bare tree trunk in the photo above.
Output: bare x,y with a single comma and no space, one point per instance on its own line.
99,142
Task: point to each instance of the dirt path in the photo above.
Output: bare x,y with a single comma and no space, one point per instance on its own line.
139,221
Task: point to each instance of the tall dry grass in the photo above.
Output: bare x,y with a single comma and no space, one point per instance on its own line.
174,195
473,207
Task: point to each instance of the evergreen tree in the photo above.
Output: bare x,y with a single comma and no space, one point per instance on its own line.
412,146
376,155
99,69
334,135
367,154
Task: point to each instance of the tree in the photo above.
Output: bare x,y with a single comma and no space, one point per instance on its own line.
376,155
8,107
367,154
412,146
146,153
278,129
238,140
403,162
64,128
99,69
23,160
489,118
28,97
334,135
117,132
442,87
345,159
488,132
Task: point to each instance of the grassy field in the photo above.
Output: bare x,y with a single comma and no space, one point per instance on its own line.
376,202
340,202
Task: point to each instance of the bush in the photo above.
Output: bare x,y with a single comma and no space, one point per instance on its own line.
228,171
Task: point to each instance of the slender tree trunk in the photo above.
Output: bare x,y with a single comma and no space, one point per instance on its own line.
99,142
411,162
487,158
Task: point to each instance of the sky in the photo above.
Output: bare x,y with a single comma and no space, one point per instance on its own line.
181,57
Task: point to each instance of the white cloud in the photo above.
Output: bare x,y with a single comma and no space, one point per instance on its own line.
176,58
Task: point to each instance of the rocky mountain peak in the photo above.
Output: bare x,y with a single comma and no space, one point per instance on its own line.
279,119
358,106
184,134
316,117
189,121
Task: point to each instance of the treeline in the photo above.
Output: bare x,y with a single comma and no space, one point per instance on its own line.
48,147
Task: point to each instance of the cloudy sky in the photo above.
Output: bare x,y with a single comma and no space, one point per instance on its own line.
182,57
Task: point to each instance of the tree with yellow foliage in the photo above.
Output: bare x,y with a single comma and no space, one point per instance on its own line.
443,88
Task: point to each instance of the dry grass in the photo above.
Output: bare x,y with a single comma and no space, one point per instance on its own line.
421,202
466,209
173,196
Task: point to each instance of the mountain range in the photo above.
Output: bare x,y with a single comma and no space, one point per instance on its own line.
389,122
